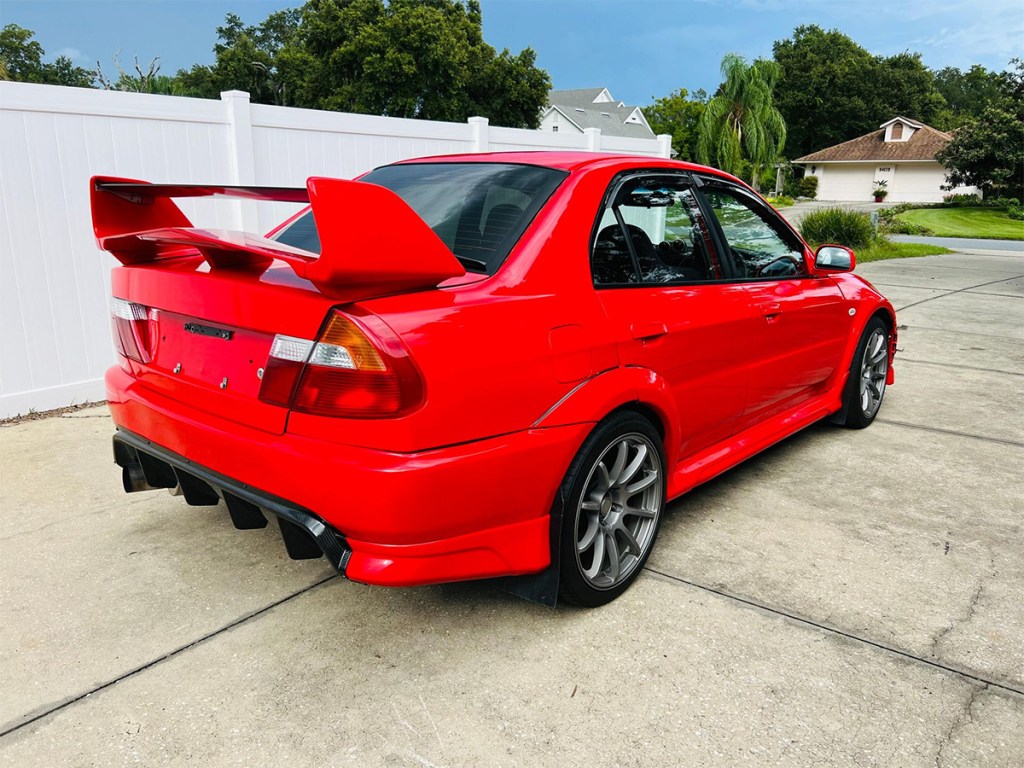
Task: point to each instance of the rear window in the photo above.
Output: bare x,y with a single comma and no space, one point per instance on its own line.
479,210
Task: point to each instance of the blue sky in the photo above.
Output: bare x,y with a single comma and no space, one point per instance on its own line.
639,49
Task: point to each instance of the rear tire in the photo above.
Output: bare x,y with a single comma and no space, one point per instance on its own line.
615,494
865,386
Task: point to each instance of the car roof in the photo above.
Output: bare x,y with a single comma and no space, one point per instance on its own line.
569,161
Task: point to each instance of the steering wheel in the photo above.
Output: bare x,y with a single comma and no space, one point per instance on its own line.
784,257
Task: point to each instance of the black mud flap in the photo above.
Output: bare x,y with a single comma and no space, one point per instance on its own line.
541,587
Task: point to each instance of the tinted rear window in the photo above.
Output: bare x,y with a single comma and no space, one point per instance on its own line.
479,210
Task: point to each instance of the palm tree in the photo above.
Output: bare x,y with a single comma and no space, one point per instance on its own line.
741,121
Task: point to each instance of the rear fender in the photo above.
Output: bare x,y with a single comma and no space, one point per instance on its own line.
595,398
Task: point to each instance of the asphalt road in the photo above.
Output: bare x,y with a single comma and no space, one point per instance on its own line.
962,243
844,599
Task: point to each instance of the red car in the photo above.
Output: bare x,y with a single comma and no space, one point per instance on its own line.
477,366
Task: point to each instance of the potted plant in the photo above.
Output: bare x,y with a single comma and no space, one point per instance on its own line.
881,191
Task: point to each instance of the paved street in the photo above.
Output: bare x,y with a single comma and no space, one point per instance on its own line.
843,599
963,242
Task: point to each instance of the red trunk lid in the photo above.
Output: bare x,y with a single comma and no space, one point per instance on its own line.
210,333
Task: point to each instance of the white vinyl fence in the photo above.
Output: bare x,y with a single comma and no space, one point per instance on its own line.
54,281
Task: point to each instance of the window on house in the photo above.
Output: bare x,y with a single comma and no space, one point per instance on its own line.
897,131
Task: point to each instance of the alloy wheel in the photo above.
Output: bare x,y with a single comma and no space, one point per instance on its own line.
617,515
874,368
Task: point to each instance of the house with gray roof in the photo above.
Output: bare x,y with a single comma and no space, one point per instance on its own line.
573,111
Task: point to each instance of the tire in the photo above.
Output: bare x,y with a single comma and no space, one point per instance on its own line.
865,386
615,495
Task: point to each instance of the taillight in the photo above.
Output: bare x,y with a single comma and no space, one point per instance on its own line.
134,329
358,369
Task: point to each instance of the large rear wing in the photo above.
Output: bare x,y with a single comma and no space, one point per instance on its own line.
369,236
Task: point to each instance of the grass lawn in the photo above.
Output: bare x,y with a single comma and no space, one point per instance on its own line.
882,249
966,222
886,249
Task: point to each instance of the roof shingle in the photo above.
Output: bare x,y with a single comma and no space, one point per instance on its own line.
924,144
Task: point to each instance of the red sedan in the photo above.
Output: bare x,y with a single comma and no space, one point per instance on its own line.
477,366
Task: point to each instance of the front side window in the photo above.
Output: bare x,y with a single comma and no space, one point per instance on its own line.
652,231
760,246
479,210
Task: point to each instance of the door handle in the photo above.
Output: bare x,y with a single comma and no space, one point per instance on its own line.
771,309
643,331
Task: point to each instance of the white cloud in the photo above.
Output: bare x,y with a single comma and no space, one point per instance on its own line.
74,54
953,31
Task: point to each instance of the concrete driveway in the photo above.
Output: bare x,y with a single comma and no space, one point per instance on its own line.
844,599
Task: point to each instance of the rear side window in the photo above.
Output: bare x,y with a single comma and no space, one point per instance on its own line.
479,210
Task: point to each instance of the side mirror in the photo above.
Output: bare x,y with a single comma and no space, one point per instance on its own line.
835,258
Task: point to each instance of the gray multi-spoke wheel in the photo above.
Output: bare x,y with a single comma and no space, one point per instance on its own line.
615,492
868,373
873,370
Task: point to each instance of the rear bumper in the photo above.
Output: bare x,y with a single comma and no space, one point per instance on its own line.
147,466
470,511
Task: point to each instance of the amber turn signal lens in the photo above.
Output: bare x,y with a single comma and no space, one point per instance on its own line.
351,347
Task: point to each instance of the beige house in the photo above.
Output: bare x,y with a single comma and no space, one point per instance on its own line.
901,153
573,111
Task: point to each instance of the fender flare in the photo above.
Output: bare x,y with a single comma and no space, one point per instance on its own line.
612,389
866,310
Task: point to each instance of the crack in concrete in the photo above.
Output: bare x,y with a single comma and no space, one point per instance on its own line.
968,615
958,290
957,433
48,709
1004,337
903,360
1008,686
964,718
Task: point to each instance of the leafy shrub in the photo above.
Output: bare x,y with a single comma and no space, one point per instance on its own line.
894,209
1015,212
960,201
1002,202
896,226
890,224
809,187
791,187
839,226
780,202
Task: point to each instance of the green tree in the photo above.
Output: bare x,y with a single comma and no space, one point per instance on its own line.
404,58
415,58
967,93
679,116
22,55
988,152
740,122
905,86
143,81
64,72
22,59
832,90
248,58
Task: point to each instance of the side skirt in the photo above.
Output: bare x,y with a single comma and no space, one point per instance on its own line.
713,461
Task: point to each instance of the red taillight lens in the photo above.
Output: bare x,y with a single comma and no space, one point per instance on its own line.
288,355
358,369
133,329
